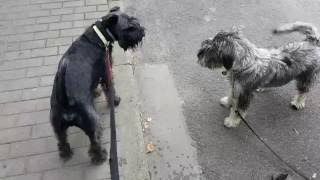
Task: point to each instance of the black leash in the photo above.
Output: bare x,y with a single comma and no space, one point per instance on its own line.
270,149
113,160
261,140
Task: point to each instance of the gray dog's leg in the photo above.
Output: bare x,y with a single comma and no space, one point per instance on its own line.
304,83
241,104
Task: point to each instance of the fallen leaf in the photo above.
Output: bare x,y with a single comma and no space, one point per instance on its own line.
146,125
150,148
280,177
296,131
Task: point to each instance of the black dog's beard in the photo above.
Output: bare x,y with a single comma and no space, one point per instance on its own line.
131,40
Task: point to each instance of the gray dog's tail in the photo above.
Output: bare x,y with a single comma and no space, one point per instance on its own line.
305,28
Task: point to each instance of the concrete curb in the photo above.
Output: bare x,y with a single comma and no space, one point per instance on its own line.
132,156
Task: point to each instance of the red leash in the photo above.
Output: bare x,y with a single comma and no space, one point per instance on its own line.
107,62
113,160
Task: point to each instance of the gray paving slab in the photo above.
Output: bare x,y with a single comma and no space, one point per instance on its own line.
33,36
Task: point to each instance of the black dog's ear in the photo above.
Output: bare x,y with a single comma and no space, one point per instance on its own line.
110,19
114,9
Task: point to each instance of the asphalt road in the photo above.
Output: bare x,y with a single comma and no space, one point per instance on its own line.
175,29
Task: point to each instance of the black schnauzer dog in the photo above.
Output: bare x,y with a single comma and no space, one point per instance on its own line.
80,71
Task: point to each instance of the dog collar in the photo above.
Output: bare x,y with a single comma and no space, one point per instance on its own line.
110,35
100,35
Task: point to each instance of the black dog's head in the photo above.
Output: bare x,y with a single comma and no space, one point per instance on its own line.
125,29
219,51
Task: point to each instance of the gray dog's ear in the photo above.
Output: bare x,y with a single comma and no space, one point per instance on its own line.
237,30
110,19
227,55
114,9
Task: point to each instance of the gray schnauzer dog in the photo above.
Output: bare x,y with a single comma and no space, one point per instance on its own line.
80,71
249,67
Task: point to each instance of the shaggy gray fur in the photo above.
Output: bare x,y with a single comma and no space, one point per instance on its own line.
250,67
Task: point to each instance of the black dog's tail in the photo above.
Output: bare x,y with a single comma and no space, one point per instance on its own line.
304,28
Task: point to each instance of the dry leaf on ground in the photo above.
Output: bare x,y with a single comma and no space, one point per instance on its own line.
150,148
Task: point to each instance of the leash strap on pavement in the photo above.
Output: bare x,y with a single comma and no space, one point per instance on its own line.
113,160
262,141
270,149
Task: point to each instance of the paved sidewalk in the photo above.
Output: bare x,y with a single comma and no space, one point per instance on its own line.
33,36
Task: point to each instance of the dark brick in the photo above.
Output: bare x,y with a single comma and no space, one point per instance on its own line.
19,84
33,176
63,49
82,23
19,107
24,119
71,32
12,74
103,7
85,9
43,104
34,28
94,15
48,19
13,46
47,34
44,52
46,80
33,44
20,22
8,121
4,151
19,37
73,3
43,1
49,161
42,70
51,5
27,148
72,17
32,118
52,60
61,11
34,62
42,130
60,25
17,54
59,41
12,167
39,92
39,13
96,2
10,96
14,134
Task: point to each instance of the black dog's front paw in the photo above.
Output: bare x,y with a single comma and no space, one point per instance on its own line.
65,152
98,156
97,92
117,100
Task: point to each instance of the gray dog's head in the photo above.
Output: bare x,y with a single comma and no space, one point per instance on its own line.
219,51
125,29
